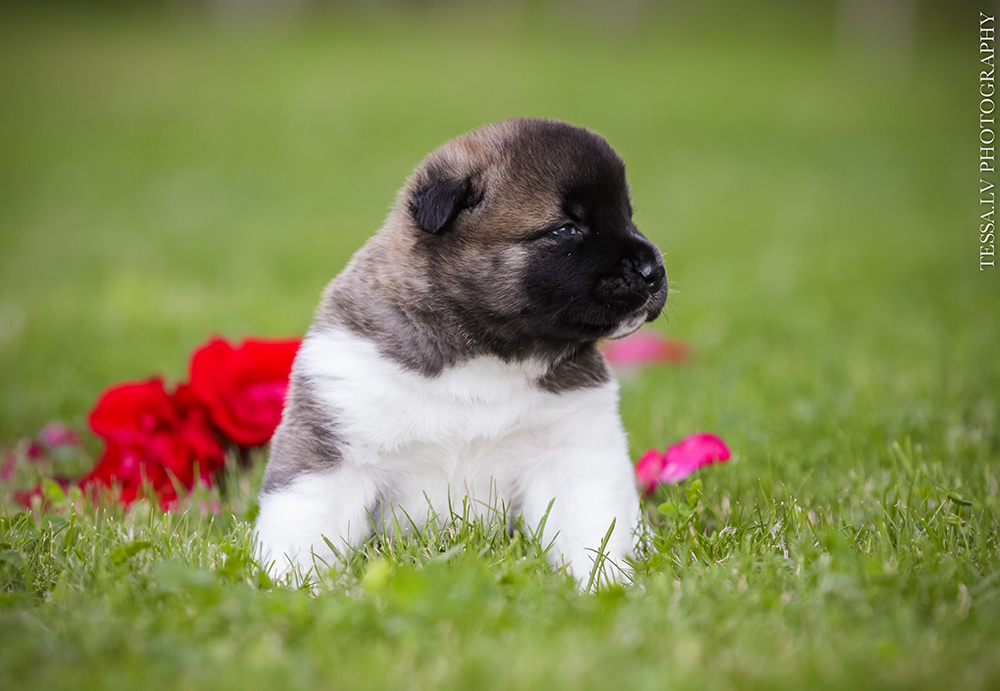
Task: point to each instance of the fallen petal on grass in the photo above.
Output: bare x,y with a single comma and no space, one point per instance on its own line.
647,470
645,347
680,460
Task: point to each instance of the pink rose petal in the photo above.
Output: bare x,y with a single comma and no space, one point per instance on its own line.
691,453
645,347
680,460
648,469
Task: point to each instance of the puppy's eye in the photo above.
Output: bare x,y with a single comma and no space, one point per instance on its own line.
567,229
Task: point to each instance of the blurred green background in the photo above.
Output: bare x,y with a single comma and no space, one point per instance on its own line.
173,170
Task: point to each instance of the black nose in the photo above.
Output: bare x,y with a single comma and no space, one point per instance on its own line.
653,274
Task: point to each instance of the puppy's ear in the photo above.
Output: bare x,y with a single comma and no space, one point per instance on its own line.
436,204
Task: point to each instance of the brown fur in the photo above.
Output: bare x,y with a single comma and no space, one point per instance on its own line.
467,265
413,294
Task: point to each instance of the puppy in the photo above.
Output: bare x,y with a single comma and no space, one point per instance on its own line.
455,356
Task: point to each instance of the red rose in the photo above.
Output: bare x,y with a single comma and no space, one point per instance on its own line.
132,413
196,432
130,468
243,388
154,439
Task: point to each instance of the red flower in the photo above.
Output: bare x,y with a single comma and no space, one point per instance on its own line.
152,439
643,348
680,460
196,431
243,388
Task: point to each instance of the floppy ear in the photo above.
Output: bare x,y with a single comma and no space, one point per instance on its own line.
438,202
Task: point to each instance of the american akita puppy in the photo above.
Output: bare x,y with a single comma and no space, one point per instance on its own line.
455,356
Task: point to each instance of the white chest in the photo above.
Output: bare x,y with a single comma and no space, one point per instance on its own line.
473,430
482,436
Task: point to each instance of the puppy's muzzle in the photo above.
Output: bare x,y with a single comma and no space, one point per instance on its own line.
639,277
652,272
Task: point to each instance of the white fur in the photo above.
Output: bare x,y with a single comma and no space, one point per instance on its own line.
482,430
629,326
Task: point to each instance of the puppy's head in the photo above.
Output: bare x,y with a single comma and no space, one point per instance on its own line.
522,233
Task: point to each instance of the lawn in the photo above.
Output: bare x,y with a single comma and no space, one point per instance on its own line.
165,176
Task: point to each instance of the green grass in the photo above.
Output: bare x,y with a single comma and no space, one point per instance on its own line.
163,178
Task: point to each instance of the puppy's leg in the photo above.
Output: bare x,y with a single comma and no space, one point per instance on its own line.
294,519
592,482
582,513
